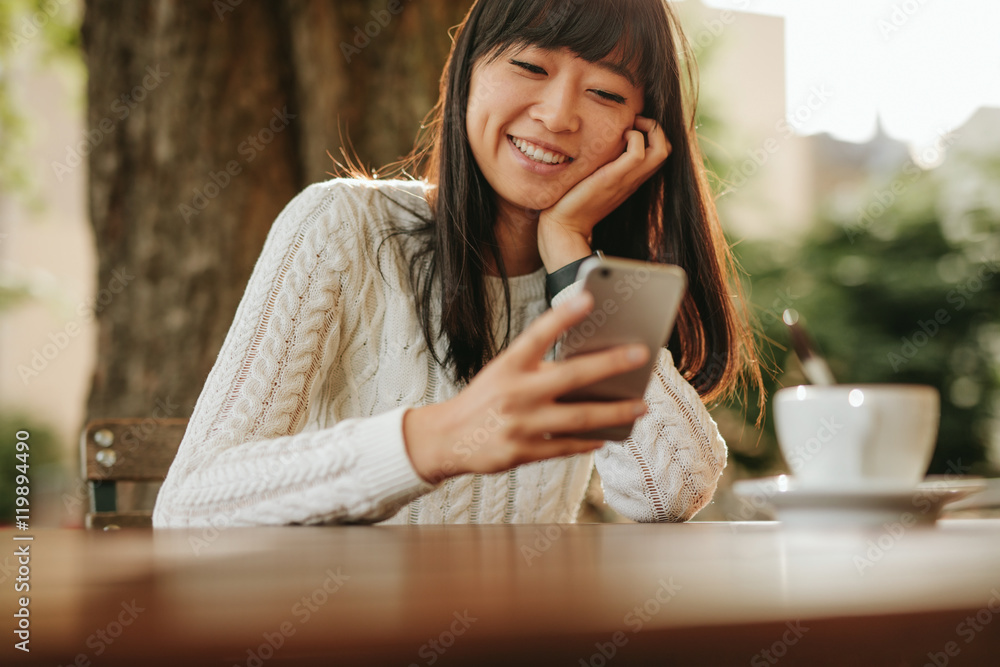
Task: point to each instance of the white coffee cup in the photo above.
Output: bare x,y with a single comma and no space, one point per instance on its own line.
857,436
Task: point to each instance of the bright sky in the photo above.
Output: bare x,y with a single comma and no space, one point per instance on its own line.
921,66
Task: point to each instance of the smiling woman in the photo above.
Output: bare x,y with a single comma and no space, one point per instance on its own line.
392,359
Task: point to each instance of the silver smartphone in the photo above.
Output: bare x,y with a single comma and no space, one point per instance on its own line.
634,302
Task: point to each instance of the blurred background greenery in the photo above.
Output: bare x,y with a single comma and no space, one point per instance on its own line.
908,294
57,39
892,268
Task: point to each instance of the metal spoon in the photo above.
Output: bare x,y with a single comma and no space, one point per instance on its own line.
814,366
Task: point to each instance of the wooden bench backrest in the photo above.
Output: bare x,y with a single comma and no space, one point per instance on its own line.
125,450
136,450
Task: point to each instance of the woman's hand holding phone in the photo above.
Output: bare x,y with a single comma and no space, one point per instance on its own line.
509,413
574,216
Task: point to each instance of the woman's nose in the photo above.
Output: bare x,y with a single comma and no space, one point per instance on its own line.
557,108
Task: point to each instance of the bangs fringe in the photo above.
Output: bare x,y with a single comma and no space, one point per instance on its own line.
596,30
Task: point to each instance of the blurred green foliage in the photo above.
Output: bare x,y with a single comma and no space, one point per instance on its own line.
50,28
32,33
898,282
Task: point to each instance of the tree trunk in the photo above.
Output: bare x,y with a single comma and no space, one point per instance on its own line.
205,119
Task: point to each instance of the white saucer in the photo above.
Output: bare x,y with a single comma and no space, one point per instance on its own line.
870,505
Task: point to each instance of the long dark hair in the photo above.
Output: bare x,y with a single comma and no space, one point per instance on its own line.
670,219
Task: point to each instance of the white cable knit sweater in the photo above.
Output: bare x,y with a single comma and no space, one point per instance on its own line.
300,420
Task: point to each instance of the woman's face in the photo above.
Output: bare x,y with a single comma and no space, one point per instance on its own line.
540,121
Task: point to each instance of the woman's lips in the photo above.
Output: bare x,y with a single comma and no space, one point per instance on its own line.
537,153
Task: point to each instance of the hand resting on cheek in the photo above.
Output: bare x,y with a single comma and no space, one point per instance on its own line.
574,216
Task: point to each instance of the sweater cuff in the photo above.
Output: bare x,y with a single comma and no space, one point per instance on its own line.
382,455
569,292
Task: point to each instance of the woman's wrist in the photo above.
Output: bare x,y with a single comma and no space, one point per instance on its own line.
558,250
420,437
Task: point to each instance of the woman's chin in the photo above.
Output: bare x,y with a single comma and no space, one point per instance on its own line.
535,202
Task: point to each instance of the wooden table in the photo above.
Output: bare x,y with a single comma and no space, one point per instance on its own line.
698,594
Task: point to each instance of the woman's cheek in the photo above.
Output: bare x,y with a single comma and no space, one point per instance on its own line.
609,144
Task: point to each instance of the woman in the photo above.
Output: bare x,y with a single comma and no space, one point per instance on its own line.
392,357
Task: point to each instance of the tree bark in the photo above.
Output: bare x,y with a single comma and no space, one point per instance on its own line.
204,120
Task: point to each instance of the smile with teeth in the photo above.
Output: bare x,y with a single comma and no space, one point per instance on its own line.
537,153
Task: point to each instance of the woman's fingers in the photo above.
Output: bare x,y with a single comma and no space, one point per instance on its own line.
533,344
566,419
636,144
658,141
655,146
644,123
586,369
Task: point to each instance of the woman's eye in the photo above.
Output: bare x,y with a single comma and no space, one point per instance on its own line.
610,96
534,69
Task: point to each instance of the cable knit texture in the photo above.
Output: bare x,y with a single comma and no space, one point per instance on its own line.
300,420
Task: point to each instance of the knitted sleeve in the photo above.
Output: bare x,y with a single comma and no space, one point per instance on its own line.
670,465
245,458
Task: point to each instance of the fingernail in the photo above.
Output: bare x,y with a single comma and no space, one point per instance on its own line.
639,409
